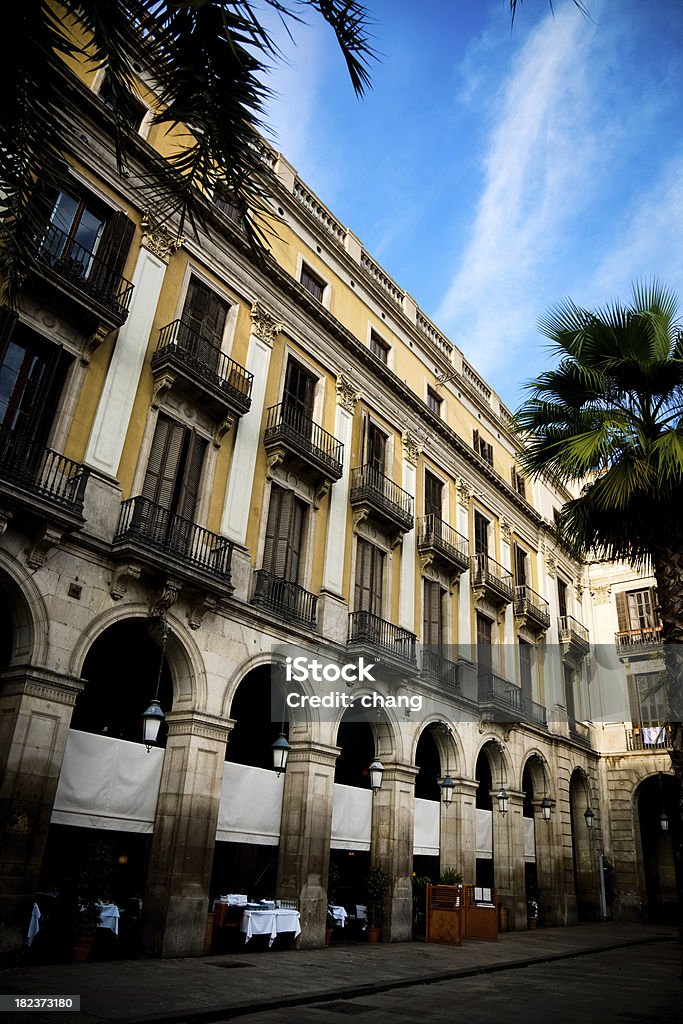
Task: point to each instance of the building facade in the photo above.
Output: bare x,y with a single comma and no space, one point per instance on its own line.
204,458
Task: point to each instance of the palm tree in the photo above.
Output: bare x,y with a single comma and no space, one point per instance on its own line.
609,418
207,61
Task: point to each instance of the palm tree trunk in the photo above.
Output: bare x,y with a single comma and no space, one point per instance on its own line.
668,570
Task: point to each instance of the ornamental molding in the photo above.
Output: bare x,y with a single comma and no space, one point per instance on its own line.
601,595
505,529
264,325
550,562
347,393
43,685
412,447
464,492
201,724
157,239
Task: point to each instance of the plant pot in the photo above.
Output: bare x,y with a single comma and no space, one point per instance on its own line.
329,932
374,932
82,947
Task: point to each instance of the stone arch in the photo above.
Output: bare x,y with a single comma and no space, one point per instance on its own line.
301,720
384,724
656,793
538,767
580,797
28,614
188,673
449,744
499,759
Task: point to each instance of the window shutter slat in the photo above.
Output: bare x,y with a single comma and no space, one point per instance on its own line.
187,502
164,462
623,618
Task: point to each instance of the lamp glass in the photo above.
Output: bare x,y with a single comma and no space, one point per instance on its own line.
376,771
546,808
590,817
281,749
502,798
664,821
151,723
447,787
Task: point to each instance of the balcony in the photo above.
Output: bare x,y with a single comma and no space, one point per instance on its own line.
649,737
531,610
442,671
293,437
374,496
378,637
639,643
283,598
573,636
190,362
490,580
499,699
174,546
83,279
44,487
580,732
440,544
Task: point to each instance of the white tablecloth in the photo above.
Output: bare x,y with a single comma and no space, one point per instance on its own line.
109,917
34,924
338,915
270,922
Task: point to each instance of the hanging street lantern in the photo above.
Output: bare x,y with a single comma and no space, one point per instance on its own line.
281,749
546,808
447,787
376,771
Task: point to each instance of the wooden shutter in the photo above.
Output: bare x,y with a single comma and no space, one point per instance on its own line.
369,578
433,495
520,566
191,476
432,613
623,618
274,510
484,653
569,693
205,312
376,448
481,534
525,668
164,462
115,243
299,389
284,534
562,597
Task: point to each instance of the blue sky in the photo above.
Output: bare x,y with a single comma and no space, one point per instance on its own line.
493,172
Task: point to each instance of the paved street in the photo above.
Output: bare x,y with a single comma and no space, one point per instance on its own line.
637,984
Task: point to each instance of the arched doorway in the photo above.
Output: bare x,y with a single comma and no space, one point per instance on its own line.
484,823
583,855
426,860
246,853
656,796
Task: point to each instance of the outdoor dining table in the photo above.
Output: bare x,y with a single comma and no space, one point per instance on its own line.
338,914
271,922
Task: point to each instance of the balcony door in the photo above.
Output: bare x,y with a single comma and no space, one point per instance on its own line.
375,449
32,375
171,484
298,395
369,579
203,324
433,617
481,534
284,535
484,647
520,566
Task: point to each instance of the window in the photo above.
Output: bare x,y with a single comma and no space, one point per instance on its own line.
651,702
132,110
518,482
205,313
378,347
562,595
298,396
525,669
225,202
369,578
376,444
32,375
481,534
433,495
482,447
520,566
284,534
434,401
569,695
433,617
636,610
174,469
312,283
484,646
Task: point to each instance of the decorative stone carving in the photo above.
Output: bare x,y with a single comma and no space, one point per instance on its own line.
550,562
165,596
49,538
158,239
411,447
275,459
5,516
601,595
320,492
222,428
263,324
347,393
359,516
119,581
505,529
91,344
162,385
578,590
205,603
464,492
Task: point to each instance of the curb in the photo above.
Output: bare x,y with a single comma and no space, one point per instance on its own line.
373,988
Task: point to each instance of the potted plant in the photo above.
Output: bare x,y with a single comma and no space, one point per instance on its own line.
376,887
449,876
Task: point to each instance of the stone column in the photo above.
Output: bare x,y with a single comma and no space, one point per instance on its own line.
549,865
458,830
35,714
464,593
113,414
393,809
179,877
333,608
305,835
406,606
508,857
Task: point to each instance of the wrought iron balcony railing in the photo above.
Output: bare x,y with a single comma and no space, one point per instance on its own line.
365,628
284,598
573,632
160,530
84,272
530,605
288,426
41,471
501,692
446,543
534,712
490,575
634,642
649,737
178,342
580,732
441,670
370,487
